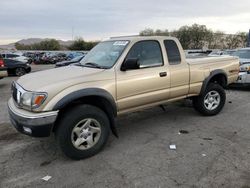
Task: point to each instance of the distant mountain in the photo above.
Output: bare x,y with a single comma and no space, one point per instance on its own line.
32,41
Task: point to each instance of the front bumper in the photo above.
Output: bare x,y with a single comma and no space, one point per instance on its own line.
3,72
28,69
30,123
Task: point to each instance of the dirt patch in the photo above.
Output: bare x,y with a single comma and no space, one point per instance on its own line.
9,136
207,139
183,132
45,163
8,133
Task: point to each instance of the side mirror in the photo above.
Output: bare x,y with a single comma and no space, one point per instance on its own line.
130,64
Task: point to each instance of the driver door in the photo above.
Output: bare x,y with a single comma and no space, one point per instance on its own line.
147,85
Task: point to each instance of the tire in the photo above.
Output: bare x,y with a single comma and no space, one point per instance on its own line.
211,101
82,123
20,71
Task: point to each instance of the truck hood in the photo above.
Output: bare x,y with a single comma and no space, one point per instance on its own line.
66,76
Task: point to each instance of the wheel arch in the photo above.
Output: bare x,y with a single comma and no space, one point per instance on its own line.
92,96
217,76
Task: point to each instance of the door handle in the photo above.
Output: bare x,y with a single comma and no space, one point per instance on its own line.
163,74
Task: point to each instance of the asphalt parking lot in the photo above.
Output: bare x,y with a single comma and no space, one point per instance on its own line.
214,152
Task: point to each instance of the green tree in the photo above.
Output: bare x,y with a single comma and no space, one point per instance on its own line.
237,40
194,37
199,36
159,32
80,44
184,35
147,32
217,40
19,46
151,32
50,45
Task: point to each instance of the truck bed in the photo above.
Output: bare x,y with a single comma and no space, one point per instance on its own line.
200,68
220,59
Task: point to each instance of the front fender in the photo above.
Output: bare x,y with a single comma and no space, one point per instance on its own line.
109,103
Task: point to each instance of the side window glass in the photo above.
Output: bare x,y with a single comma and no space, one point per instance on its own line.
174,56
10,56
148,53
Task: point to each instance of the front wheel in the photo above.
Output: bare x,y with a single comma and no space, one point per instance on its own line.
211,101
83,131
20,71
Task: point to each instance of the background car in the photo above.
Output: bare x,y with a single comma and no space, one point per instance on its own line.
16,68
72,55
244,55
217,53
244,74
74,60
17,57
229,52
3,69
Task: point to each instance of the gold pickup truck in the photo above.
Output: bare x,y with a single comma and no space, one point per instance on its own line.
79,103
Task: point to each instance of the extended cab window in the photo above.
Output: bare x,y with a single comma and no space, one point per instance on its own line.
174,56
148,53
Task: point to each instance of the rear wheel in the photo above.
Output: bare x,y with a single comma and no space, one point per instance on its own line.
211,101
83,131
20,71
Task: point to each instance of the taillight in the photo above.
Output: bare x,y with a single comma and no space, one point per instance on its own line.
1,63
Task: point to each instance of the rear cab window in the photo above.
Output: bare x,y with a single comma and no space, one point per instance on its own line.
173,52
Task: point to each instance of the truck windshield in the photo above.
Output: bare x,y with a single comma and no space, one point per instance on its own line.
105,54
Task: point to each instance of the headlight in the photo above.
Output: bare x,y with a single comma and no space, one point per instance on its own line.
245,68
31,100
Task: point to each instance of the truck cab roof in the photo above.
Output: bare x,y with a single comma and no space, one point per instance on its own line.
137,38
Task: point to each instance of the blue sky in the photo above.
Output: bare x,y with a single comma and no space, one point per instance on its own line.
96,19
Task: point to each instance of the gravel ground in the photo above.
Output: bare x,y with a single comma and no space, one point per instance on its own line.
214,152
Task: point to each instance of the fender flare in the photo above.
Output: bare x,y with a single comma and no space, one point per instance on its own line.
92,92
211,75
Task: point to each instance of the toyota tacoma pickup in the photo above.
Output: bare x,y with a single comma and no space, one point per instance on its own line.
80,103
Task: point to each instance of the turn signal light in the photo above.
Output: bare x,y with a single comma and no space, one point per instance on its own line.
39,99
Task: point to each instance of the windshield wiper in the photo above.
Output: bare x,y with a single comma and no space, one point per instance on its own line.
94,65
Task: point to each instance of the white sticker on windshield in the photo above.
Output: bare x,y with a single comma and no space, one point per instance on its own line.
120,43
